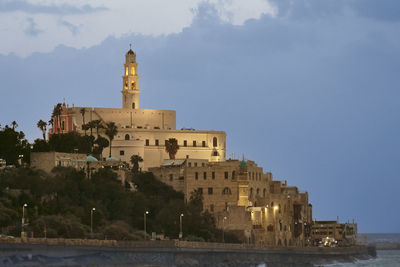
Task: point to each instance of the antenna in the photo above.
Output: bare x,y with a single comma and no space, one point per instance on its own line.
130,46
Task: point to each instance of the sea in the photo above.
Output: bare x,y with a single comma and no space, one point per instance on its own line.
385,258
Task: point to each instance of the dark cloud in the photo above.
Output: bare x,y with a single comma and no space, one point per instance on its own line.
64,9
32,28
315,103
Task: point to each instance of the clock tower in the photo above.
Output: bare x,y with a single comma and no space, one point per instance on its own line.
130,79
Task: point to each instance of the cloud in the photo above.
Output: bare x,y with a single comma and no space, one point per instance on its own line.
32,28
30,8
71,27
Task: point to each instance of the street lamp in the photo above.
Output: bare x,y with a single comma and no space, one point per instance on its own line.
223,229
145,231
180,226
91,221
23,219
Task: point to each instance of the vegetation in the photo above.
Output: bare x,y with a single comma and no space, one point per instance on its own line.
171,147
135,160
43,127
111,132
61,204
13,145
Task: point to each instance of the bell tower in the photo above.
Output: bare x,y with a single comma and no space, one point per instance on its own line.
130,79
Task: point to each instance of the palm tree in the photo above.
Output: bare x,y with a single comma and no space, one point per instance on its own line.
171,147
57,113
83,111
43,127
135,159
98,125
90,125
111,131
14,125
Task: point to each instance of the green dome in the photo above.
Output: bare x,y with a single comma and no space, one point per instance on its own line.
91,158
112,159
242,163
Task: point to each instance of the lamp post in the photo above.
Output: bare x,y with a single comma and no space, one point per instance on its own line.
180,226
23,220
91,221
145,231
223,229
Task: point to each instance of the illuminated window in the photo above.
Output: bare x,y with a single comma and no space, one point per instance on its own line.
133,85
133,72
126,84
126,71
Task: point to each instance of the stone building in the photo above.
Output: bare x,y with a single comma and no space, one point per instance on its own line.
344,233
46,161
243,199
142,132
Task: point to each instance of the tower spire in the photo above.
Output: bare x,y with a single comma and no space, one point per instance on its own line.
130,81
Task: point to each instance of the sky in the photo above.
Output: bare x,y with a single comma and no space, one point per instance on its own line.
309,89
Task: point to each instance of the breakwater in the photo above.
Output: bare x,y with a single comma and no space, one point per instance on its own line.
110,253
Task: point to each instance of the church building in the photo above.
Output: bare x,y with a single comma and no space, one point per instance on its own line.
143,132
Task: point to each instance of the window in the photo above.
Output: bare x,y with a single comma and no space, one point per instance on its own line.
194,143
63,125
258,191
210,190
200,190
156,142
203,143
133,105
213,175
147,142
190,164
251,191
171,177
215,153
184,142
264,192
215,142
226,175
195,164
133,85
226,191
196,175
127,137
233,175
204,175
121,152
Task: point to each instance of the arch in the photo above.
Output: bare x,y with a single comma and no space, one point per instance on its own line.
133,85
226,191
127,137
215,142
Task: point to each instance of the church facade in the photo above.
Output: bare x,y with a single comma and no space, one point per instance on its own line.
143,132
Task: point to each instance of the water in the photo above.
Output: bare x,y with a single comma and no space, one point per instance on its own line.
385,258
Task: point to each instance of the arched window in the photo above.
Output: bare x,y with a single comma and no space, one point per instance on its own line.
127,137
133,85
133,105
226,191
215,153
133,71
264,192
215,142
126,84
258,191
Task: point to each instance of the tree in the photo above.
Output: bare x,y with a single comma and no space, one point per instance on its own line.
12,145
14,125
135,159
83,111
111,132
42,126
171,147
98,125
57,113
101,143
